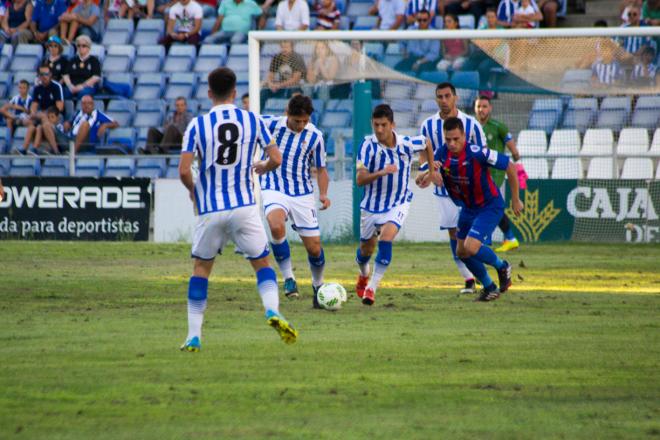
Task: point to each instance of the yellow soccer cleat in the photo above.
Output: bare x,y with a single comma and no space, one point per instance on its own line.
286,331
508,245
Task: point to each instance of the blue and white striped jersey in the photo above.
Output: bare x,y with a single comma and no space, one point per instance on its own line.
299,152
632,44
225,141
391,190
414,6
432,129
17,100
608,73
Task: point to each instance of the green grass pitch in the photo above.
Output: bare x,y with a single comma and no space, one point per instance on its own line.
90,335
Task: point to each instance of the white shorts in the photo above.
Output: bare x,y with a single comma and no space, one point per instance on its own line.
371,222
241,225
448,213
300,210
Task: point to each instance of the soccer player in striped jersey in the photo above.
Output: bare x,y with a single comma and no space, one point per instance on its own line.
464,173
288,191
383,169
224,142
498,137
445,96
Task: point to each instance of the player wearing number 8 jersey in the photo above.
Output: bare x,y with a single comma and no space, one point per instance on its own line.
224,142
383,168
288,191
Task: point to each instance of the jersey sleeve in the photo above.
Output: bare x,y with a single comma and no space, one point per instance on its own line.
189,138
319,152
490,157
504,133
364,157
264,137
417,143
478,135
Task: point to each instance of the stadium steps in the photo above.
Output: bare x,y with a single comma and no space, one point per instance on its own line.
595,10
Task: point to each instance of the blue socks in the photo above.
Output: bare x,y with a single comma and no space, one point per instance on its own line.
282,254
363,263
197,293
316,266
487,256
267,287
383,260
479,271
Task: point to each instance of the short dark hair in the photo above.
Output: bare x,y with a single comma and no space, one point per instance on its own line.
53,109
24,81
490,9
383,111
300,105
245,95
600,23
483,98
455,17
444,85
452,124
424,11
222,82
43,66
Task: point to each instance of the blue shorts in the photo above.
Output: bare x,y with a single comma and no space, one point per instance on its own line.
479,223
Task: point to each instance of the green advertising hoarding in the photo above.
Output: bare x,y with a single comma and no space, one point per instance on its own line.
589,210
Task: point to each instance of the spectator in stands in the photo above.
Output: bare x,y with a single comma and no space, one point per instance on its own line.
527,15
114,9
286,71
390,14
549,9
209,7
606,71
482,61
58,63
505,12
234,21
58,141
85,19
322,70
16,22
645,70
292,15
89,126
328,15
414,7
491,22
17,111
651,12
46,94
454,51
419,55
634,44
184,24
624,8
45,18
169,137
83,76
465,7
245,101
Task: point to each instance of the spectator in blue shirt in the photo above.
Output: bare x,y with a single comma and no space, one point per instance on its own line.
45,18
89,125
420,55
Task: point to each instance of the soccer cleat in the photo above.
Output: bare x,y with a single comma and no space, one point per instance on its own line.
470,287
504,275
290,288
490,294
282,326
508,245
369,297
315,300
361,285
192,345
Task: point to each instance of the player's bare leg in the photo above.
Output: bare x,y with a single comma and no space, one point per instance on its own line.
316,259
280,246
197,294
383,258
364,252
267,286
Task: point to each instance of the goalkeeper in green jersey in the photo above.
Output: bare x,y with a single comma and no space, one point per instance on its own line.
497,138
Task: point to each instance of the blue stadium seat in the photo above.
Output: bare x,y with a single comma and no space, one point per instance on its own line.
5,167
548,104
428,106
616,103
118,31
6,54
123,79
238,64
335,119
466,79
612,118
646,118
398,90
466,21
26,57
210,57
120,141
149,31
358,10
89,167
122,110
576,80
5,139
119,167
149,59
580,119
434,77
404,106
5,83
648,102
148,118
141,142
172,171
545,120
55,167
25,166
98,51
181,84
119,58
373,49
242,49
149,86
466,97
364,22
202,89
344,23
18,138
391,60
205,105
179,59
151,167
276,105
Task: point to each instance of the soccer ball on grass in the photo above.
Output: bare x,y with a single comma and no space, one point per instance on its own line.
331,296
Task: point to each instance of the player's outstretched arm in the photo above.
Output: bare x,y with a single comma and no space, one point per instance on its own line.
274,160
512,177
